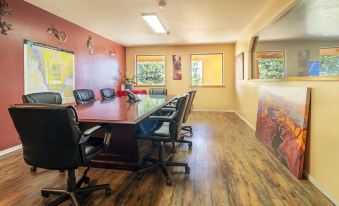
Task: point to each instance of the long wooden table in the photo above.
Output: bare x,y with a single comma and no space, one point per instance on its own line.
125,150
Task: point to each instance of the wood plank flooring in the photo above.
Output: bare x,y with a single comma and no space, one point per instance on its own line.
228,167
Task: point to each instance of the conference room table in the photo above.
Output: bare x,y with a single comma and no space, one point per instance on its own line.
123,116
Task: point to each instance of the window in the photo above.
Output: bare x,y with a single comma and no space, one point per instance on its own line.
150,70
270,65
207,69
329,62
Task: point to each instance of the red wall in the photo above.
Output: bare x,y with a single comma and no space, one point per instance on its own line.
94,71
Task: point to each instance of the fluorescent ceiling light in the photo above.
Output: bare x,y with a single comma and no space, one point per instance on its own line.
154,22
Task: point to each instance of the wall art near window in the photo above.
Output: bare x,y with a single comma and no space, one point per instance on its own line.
282,124
177,75
48,69
240,66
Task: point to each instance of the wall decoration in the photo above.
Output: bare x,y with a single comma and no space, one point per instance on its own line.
303,58
282,124
60,35
48,68
112,53
177,75
90,44
4,10
240,66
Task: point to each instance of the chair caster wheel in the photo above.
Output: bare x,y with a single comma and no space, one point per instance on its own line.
44,195
86,180
187,169
61,171
168,182
190,145
33,169
108,191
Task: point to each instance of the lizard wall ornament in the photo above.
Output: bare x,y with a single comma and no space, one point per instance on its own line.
61,36
4,10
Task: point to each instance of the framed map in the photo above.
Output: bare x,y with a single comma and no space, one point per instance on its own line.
48,69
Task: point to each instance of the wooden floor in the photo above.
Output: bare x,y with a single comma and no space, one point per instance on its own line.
228,167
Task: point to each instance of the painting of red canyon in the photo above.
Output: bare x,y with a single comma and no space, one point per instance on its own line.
282,124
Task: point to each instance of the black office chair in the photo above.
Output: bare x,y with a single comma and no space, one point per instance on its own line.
51,139
169,131
188,110
107,93
42,98
157,91
84,96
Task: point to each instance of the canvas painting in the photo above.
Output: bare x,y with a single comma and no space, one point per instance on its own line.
177,67
240,66
282,124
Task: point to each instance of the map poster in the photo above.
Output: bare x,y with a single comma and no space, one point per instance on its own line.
48,69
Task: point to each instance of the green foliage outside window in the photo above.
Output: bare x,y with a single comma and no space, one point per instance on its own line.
271,68
151,73
329,65
196,73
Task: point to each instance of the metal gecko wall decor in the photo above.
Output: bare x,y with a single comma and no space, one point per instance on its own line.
90,45
60,35
4,11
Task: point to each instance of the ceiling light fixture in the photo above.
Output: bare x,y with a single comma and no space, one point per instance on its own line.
162,4
154,22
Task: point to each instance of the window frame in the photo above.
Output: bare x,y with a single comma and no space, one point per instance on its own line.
136,71
257,66
222,70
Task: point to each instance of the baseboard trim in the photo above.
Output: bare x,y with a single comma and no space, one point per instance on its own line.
245,120
211,110
317,185
9,150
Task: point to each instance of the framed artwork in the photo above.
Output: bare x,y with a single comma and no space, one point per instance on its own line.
177,75
282,121
239,66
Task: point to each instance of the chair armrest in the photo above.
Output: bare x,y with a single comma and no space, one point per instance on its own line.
168,109
164,118
107,138
86,135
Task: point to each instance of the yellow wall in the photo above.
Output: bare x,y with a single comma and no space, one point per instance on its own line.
211,64
322,154
207,98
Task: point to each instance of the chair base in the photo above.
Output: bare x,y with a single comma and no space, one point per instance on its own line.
188,129
162,163
73,191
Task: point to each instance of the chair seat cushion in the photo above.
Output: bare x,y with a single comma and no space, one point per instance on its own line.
93,146
161,134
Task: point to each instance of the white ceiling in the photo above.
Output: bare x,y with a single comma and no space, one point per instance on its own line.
188,21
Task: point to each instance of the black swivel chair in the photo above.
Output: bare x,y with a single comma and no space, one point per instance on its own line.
188,128
84,96
107,93
169,131
51,139
42,98
157,91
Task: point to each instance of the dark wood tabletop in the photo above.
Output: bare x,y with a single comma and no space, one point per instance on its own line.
120,110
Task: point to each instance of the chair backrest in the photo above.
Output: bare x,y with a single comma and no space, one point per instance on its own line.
49,135
83,96
42,98
107,93
189,105
194,93
157,91
175,128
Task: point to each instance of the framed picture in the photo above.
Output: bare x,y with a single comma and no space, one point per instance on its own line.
239,66
177,75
